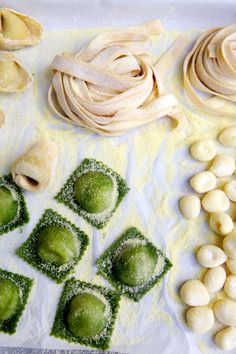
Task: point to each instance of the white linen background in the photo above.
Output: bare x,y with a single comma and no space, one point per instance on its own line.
145,336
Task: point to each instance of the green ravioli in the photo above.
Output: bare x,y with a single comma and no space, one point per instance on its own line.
86,315
13,211
8,206
9,298
57,245
133,264
93,191
14,293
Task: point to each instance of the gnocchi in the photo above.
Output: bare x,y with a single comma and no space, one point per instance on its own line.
214,279
230,287
210,256
203,182
225,311
203,150
194,293
230,190
221,223
231,264
215,201
226,339
190,206
228,136
229,244
200,319
223,166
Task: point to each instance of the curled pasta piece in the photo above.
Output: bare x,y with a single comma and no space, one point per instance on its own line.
110,86
34,170
18,30
210,69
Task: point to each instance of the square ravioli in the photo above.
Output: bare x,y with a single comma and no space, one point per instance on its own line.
86,314
55,246
133,264
14,293
93,191
12,205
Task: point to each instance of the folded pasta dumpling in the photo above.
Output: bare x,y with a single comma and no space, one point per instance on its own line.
18,30
13,76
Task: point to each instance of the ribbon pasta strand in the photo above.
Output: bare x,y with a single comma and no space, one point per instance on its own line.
210,69
110,86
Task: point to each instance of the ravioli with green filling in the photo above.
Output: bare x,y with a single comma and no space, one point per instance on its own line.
94,191
14,293
55,246
13,211
86,314
133,264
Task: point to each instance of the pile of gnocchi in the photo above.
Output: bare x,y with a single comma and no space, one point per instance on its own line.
220,263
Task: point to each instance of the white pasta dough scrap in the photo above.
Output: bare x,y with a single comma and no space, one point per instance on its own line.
200,319
228,136
203,150
230,287
203,182
209,69
215,201
214,279
211,256
190,206
34,170
221,223
226,338
223,166
110,86
194,293
230,190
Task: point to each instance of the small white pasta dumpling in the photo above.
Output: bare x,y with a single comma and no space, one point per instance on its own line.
190,206
230,190
230,287
231,264
221,223
211,256
215,201
203,182
200,319
203,150
226,339
223,166
228,136
225,311
194,293
214,279
229,244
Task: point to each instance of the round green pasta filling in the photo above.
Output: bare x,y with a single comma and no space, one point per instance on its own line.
135,265
57,245
9,298
8,206
93,191
86,315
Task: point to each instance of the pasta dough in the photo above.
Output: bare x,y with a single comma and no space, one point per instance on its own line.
110,86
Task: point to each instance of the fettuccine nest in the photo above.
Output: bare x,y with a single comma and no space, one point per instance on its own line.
110,86
210,70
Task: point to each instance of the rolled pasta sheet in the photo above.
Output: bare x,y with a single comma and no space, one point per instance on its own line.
209,70
110,86
34,170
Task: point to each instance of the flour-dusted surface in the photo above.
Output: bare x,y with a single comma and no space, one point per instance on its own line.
153,159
